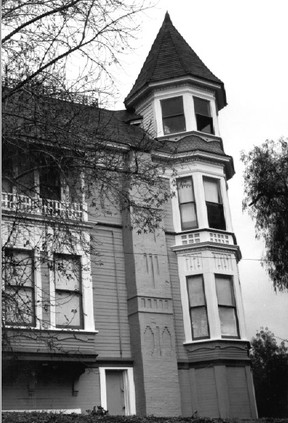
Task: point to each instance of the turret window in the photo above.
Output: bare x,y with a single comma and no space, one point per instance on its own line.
204,119
198,308
226,306
187,204
214,204
173,115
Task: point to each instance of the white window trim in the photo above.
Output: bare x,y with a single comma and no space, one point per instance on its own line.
187,93
129,389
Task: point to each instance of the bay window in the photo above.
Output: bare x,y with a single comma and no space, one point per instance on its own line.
68,291
19,295
173,117
198,307
204,120
226,306
187,204
214,204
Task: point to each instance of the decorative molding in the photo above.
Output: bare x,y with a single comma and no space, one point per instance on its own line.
223,262
149,305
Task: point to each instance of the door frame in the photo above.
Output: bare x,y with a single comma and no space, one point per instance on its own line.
129,388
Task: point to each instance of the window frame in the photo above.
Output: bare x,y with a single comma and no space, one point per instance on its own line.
208,117
31,288
233,306
172,115
219,205
198,338
78,293
188,202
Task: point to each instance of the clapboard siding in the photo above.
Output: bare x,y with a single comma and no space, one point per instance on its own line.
206,392
167,213
148,119
105,210
53,394
177,304
238,393
110,295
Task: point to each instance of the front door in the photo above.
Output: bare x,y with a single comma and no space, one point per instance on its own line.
115,392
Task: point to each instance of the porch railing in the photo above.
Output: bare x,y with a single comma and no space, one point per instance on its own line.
42,206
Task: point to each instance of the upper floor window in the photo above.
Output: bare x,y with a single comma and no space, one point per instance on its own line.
173,117
68,291
214,204
19,295
198,308
49,181
226,306
187,204
203,115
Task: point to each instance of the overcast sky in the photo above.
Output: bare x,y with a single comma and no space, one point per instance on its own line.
244,43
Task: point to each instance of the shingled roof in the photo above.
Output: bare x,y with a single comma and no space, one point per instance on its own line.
171,57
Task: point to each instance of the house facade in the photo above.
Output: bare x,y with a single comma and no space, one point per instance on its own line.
152,323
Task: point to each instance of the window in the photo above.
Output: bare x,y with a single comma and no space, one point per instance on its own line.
49,179
198,308
68,295
204,119
19,303
173,115
187,204
214,204
226,306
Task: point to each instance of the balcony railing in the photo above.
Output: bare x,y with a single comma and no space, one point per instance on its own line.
44,207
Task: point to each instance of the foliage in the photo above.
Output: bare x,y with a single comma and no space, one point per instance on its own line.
71,45
266,198
36,417
270,371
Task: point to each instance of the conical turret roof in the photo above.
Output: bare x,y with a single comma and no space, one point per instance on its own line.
171,57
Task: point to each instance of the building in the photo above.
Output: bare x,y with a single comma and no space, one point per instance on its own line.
158,328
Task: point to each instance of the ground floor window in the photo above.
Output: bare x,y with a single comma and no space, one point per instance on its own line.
117,390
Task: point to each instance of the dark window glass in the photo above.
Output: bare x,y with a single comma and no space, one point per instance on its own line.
68,295
198,308
226,306
19,302
50,186
214,204
173,115
203,115
187,204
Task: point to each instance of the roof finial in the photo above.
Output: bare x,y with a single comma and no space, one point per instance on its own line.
167,17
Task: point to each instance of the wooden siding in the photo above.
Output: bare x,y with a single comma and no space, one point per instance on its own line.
110,294
148,119
168,214
206,393
53,394
176,296
105,211
51,342
238,392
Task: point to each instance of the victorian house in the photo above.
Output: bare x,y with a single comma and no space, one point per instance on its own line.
158,328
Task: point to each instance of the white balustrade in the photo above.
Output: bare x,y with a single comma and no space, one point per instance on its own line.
45,207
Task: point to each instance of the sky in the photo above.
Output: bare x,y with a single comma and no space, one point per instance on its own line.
244,43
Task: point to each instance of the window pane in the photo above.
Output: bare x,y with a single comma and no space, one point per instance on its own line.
185,190
67,272
199,322
228,321
18,268
204,124
202,107
172,106
174,124
188,216
216,216
224,291
196,291
68,309
19,306
211,188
